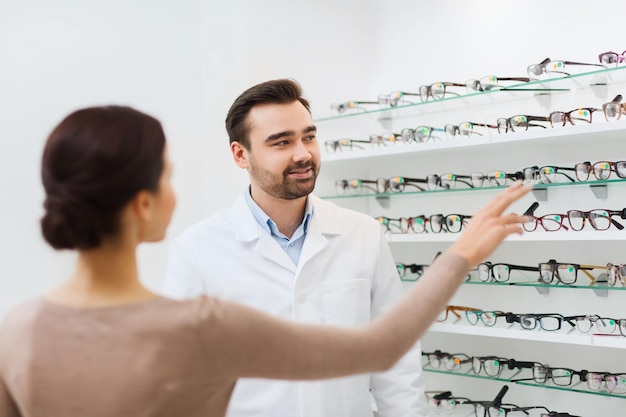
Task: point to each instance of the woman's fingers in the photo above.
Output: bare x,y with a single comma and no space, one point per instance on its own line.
488,228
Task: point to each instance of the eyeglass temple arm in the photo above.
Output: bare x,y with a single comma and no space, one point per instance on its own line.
524,268
583,63
587,268
498,400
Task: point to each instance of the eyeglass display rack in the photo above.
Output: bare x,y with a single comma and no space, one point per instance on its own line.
509,152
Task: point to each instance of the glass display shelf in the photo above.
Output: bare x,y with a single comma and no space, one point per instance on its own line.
572,388
570,135
536,236
574,337
534,285
550,85
477,189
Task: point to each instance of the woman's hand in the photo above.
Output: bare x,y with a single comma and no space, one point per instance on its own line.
488,228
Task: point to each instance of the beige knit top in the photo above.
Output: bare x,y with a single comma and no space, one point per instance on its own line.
174,358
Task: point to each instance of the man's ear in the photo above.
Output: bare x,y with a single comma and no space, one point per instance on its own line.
240,154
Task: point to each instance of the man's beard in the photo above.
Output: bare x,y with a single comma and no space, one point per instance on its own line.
284,186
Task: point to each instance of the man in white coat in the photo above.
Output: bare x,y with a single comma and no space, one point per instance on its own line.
285,251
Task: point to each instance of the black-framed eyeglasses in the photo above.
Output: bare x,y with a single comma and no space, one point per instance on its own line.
611,59
583,114
565,273
438,90
501,178
452,223
562,377
449,181
520,123
465,129
451,361
419,134
613,110
601,170
399,184
490,82
549,67
546,174
546,321
410,272
614,382
500,272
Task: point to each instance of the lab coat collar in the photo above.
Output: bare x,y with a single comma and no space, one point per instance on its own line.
247,229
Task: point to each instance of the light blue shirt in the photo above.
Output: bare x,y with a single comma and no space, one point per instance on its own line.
293,246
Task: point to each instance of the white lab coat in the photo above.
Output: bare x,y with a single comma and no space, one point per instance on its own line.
346,276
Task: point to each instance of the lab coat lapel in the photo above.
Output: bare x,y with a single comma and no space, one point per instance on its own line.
247,229
322,227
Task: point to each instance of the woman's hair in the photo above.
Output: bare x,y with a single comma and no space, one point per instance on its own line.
94,162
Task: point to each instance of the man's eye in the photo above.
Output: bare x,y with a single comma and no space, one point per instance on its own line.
312,137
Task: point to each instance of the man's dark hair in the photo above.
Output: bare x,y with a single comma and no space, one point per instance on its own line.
283,91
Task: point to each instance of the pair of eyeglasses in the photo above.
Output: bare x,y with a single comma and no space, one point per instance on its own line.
601,170
549,67
452,223
490,82
379,186
547,321
520,123
333,146
396,98
494,365
438,90
451,361
565,273
385,139
614,383
449,181
562,377
443,316
616,274
611,59
500,272
601,325
613,110
583,114
419,134
341,108
410,272
488,318
465,129
546,174
599,219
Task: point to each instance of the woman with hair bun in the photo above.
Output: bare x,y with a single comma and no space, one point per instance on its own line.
102,344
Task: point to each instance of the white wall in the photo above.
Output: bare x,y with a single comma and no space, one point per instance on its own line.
183,62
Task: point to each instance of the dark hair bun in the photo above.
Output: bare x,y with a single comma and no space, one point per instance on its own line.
72,223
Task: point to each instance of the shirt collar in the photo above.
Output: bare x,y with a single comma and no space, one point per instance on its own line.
266,221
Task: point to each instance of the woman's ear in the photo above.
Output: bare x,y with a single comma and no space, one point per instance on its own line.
142,205
240,154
